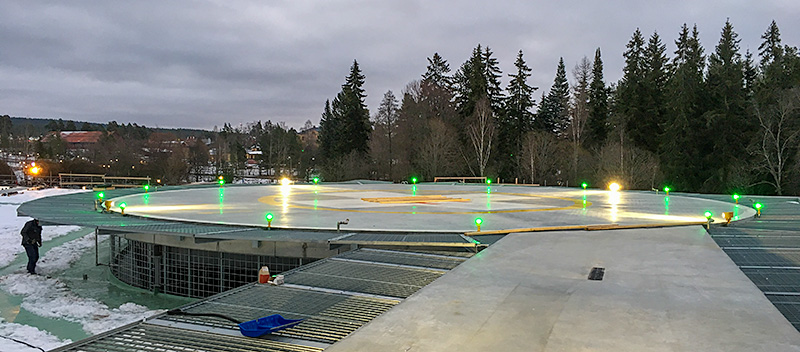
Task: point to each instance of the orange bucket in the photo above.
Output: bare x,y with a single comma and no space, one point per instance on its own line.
263,275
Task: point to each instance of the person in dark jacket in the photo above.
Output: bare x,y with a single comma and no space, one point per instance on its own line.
32,240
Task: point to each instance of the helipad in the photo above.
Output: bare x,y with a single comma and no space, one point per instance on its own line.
424,207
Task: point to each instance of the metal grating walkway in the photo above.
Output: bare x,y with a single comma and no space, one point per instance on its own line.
767,250
335,296
150,337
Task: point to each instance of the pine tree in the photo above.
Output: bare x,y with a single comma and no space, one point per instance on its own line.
516,119
478,78
436,91
629,97
437,72
597,124
553,114
750,74
330,133
727,115
492,74
686,143
349,108
770,50
651,122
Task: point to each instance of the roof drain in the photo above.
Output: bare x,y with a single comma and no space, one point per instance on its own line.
597,273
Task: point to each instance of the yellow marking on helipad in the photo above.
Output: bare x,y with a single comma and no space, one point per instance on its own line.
278,201
414,199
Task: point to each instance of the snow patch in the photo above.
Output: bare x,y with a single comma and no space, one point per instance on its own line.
27,334
61,257
12,224
51,298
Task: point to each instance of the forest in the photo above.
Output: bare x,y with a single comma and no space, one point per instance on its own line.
722,121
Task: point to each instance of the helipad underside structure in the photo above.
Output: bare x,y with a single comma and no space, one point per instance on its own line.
662,288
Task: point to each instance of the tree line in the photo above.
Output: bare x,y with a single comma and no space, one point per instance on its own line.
723,121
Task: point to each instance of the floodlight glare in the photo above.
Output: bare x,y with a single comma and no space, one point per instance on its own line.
614,187
285,181
220,177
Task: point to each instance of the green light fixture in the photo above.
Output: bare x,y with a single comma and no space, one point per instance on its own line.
269,218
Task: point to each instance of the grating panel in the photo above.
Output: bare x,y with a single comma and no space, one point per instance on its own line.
775,280
329,317
360,277
764,257
148,337
392,257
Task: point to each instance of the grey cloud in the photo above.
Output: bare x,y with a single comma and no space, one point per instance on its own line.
198,64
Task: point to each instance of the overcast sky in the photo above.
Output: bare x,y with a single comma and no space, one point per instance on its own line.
199,64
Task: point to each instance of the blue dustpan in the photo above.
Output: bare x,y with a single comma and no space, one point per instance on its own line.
266,325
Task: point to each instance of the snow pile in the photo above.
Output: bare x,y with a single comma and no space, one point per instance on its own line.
11,224
61,257
28,334
51,298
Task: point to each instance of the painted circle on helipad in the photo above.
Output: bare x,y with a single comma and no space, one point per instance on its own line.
561,203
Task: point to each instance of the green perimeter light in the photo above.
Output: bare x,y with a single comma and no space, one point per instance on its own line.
316,180
667,189
478,221
708,214
413,180
735,197
584,185
146,187
123,205
221,182
757,205
100,195
488,181
269,217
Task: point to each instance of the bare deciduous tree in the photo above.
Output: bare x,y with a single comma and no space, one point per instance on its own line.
481,134
438,150
540,155
579,110
635,168
778,130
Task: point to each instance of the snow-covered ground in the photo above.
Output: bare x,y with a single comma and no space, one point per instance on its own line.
11,224
14,336
46,296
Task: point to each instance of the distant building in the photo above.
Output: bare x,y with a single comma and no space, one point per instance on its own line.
309,137
76,142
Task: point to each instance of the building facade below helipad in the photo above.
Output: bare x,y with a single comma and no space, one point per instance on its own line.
420,208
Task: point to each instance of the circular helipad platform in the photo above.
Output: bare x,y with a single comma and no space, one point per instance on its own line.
420,208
